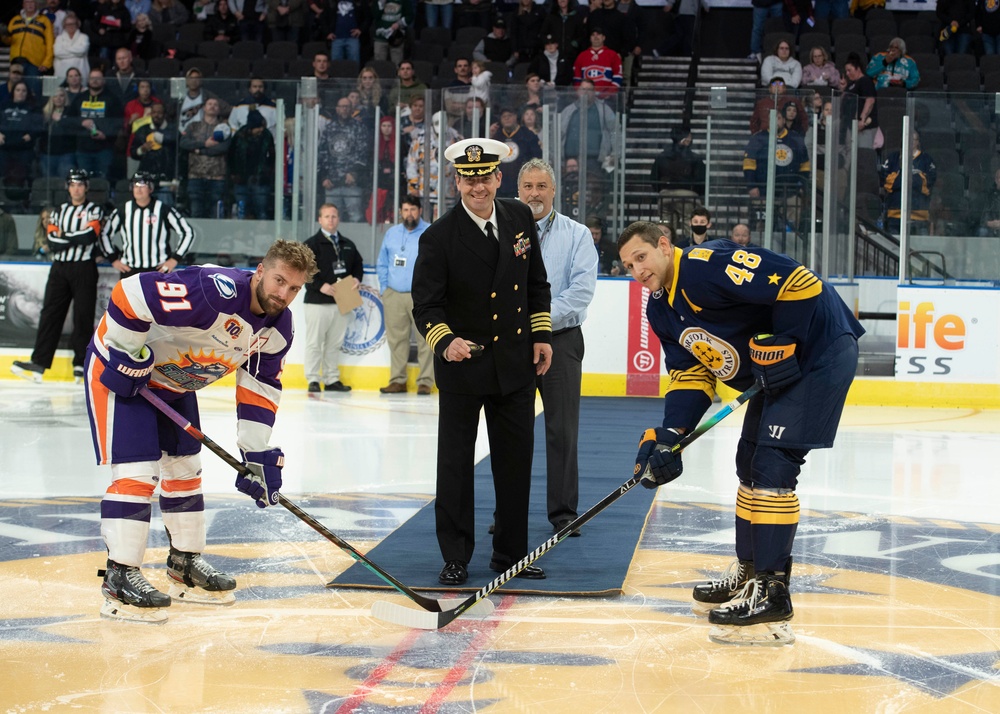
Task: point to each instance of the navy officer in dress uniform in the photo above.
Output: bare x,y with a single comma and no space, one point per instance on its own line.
481,300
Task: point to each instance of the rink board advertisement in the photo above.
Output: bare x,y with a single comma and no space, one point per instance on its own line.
947,335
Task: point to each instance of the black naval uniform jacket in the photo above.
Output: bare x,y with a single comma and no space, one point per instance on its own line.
327,256
495,293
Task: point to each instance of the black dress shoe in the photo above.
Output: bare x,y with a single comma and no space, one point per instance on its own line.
530,573
453,573
493,528
562,524
337,386
314,386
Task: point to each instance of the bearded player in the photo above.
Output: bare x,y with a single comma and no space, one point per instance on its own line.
739,314
179,332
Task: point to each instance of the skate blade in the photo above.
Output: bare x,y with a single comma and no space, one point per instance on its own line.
200,596
771,634
114,610
27,374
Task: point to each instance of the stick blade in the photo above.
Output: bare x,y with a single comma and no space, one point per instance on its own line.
406,616
483,608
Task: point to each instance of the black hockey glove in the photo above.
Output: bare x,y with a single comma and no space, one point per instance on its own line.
773,362
655,460
264,484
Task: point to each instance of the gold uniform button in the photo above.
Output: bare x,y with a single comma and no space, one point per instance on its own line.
493,295
515,286
519,330
496,337
494,317
519,309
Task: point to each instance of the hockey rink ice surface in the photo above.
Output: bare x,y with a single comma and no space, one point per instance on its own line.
896,584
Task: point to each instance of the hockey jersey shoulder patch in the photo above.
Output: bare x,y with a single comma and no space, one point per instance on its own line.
225,285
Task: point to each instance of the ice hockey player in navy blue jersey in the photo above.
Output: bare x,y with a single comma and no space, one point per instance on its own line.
742,315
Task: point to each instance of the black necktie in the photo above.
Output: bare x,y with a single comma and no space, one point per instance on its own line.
489,231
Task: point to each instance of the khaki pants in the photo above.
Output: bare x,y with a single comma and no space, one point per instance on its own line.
398,327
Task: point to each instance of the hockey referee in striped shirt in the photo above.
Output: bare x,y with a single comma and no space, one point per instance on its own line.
73,235
145,224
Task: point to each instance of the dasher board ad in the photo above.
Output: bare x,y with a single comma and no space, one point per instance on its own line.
947,335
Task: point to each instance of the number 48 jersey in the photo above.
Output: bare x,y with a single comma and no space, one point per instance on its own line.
722,295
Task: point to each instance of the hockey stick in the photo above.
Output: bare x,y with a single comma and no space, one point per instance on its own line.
408,617
430,604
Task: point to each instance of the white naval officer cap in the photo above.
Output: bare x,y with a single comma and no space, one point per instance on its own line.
476,157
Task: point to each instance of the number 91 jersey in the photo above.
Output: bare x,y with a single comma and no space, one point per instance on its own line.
723,294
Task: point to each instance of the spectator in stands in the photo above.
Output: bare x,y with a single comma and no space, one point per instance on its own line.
678,170
620,32
791,170
20,129
700,223
776,99
791,113
496,46
608,262
534,90
551,65
194,100
100,119
955,25
251,167
419,182
740,234
137,111
347,21
599,64
15,74
251,15
987,23
55,14
59,154
459,89
820,72
123,80
763,10
684,12
526,30
257,99
285,19
439,13
344,158
110,27
473,121
391,18
71,48
407,86
171,12
222,25
482,80
923,176
989,222
202,9
73,83
369,97
386,180
317,19
140,39
463,74
858,83
781,64
524,146
588,128
566,24
825,111
154,148
136,8
411,122
893,67
207,142
31,38
531,120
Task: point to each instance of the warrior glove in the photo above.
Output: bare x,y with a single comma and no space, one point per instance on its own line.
264,481
123,374
773,362
656,460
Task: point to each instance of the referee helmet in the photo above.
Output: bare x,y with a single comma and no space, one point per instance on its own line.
78,176
144,177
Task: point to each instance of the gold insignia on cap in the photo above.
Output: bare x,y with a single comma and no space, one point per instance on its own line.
473,153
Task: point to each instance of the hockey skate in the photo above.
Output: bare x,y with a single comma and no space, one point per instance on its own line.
78,375
28,370
759,616
129,596
710,595
192,579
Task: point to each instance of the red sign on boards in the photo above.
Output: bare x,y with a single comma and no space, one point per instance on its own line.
643,368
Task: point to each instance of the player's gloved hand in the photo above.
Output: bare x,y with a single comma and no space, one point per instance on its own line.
265,480
655,460
125,375
773,362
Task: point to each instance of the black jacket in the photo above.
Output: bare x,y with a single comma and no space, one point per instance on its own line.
326,256
489,292
564,69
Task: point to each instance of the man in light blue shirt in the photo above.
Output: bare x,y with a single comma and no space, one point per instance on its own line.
395,276
571,264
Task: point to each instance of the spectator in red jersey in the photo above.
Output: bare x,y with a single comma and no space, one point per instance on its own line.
599,64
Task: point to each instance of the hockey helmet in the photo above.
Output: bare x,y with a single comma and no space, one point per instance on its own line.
144,177
78,176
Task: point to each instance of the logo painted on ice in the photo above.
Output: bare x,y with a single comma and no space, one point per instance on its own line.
366,333
225,285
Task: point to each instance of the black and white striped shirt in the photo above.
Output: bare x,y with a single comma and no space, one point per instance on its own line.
73,231
146,234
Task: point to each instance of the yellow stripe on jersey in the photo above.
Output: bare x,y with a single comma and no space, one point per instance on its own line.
436,333
770,508
744,502
541,322
697,377
802,284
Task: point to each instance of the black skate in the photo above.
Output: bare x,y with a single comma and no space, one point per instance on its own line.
28,370
129,596
764,602
717,592
194,580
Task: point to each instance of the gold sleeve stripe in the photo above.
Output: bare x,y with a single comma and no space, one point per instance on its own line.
697,378
744,503
541,321
771,509
802,284
749,164
435,334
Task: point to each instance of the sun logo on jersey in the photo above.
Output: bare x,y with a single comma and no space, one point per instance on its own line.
193,371
718,355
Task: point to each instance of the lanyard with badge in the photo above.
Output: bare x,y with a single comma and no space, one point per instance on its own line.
548,227
399,260
339,266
